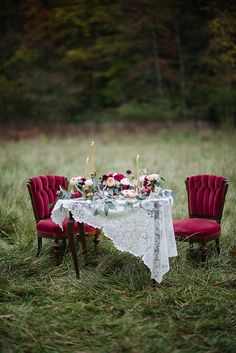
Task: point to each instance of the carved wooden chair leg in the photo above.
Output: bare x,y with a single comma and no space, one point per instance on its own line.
71,240
57,247
218,246
40,243
203,249
97,241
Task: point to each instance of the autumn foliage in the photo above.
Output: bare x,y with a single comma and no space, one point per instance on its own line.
80,60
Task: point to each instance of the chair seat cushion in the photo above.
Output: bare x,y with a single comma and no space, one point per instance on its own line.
48,228
196,229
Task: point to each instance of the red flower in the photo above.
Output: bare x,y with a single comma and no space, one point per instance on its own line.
128,172
82,181
119,177
104,177
125,187
146,181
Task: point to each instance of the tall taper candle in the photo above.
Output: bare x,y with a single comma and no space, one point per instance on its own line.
92,157
137,171
86,170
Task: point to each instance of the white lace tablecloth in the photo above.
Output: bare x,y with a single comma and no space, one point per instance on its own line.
144,230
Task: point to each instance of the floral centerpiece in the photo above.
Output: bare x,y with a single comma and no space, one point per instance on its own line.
111,184
115,184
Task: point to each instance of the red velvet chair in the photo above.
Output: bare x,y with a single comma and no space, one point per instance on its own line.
42,190
206,197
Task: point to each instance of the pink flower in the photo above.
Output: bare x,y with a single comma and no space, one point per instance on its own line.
125,193
132,194
110,181
74,181
88,182
146,190
116,176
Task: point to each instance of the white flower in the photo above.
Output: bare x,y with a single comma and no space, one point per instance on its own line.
157,177
132,183
149,177
74,181
142,178
153,177
88,182
125,181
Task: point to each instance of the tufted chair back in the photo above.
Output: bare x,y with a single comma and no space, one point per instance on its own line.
43,191
206,196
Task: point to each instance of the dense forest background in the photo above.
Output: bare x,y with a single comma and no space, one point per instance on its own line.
101,60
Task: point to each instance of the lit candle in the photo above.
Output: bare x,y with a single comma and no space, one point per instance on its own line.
137,171
86,170
92,157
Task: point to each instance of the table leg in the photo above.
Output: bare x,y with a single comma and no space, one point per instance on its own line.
71,241
83,241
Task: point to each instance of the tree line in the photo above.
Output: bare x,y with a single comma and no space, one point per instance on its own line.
96,60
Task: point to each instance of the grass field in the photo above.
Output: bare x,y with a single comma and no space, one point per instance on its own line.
115,307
